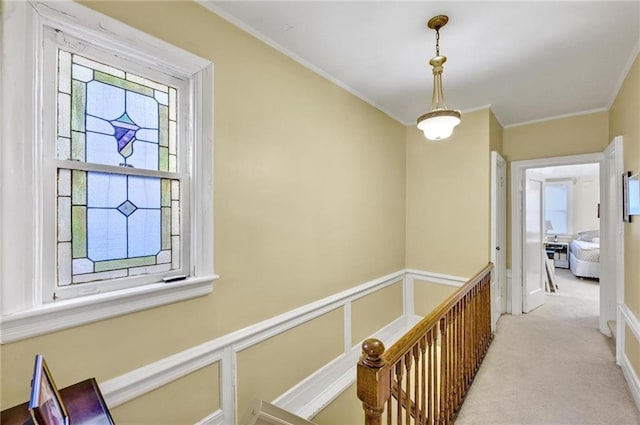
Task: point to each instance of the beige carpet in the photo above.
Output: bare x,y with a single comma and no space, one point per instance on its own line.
552,367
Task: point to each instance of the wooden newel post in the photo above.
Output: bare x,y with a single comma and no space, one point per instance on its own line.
374,387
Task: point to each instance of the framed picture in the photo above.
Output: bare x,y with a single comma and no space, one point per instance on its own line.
45,404
625,197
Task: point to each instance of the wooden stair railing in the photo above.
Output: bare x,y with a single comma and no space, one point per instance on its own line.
429,370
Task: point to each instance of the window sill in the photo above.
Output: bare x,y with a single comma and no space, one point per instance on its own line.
65,314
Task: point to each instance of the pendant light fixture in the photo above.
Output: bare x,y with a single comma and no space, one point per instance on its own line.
438,123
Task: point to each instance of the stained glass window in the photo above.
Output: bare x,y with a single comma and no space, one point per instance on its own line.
124,223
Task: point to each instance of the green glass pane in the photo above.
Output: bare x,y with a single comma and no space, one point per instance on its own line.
102,266
164,126
79,231
166,228
79,187
166,192
119,82
78,102
164,159
77,146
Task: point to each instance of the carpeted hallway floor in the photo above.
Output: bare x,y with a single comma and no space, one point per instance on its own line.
552,367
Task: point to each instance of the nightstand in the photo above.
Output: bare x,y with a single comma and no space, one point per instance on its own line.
559,251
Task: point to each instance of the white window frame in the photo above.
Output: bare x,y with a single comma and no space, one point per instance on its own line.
568,183
27,224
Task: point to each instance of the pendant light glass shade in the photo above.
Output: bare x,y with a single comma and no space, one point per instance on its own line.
439,122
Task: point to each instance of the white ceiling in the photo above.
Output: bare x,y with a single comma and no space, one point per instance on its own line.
570,171
529,60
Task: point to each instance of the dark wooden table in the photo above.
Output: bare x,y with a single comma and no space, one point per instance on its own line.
84,403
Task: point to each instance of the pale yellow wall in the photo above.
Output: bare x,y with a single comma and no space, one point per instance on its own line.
495,134
309,201
625,121
270,368
346,409
575,135
448,186
428,295
169,405
375,311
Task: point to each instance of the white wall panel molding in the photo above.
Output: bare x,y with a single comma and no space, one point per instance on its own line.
443,279
314,393
310,395
628,319
632,379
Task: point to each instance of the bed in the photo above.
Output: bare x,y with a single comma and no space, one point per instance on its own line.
584,255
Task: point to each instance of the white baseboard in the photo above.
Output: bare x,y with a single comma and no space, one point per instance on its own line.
631,378
314,393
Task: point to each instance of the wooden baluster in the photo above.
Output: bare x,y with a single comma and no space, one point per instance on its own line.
418,383
443,370
373,385
458,314
399,373
407,403
425,384
431,376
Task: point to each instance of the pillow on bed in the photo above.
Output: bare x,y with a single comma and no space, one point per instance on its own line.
595,240
589,235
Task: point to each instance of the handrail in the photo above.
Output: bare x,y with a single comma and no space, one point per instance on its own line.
428,371
393,353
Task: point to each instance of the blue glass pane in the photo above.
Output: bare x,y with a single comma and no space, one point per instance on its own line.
147,135
144,155
106,234
105,101
98,125
101,149
106,190
144,233
143,110
144,192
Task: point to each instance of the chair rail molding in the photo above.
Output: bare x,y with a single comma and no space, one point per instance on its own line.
307,397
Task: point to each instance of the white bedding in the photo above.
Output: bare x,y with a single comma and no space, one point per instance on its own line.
584,259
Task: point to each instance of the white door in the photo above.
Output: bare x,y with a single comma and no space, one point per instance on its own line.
533,248
498,237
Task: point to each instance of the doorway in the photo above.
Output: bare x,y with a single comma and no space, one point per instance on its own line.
565,201
610,162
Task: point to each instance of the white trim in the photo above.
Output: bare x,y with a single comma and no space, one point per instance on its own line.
557,117
632,379
26,237
308,396
630,320
611,237
154,375
408,304
149,377
623,74
518,169
443,279
209,4
216,418
315,392
65,314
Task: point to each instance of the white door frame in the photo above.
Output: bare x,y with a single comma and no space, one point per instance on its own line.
613,254
518,169
499,300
